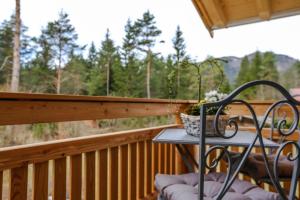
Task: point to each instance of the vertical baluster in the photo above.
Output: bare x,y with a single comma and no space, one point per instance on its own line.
59,174
76,177
40,181
173,162
155,161
168,159
18,183
123,171
103,174
162,158
1,184
133,171
90,176
113,169
141,168
149,179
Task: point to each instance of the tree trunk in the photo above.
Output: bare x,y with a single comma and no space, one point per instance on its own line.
107,78
58,81
16,52
178,78
149,64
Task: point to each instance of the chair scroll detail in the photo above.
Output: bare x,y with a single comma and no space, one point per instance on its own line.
234,168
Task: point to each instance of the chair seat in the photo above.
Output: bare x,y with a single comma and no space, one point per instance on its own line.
255,167
185,187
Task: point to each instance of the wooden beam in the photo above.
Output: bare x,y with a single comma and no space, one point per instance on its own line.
216,12
27,112
264,9
204,16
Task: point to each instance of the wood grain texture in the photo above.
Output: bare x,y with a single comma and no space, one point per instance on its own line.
76,177
90,176
133,175
18,183
59,176
40,181
83,98
123,172
162,158
1,184
11,157
103,174
113,161
27,112
149,179
141,169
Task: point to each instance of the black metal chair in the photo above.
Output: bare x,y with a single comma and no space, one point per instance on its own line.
226,186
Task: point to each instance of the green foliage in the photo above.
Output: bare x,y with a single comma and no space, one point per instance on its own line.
6,48
44,130
262,66
146,30
107,69
75,76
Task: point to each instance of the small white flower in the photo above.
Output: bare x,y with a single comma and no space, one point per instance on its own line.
213,96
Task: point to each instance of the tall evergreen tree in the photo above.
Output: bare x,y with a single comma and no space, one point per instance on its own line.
256,66
75,75
147,35
108,56
269,72
6,51
92,58
244,72
62,37
7,30
180,54
105,77
131,63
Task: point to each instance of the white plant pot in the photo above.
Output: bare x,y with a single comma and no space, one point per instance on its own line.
192,124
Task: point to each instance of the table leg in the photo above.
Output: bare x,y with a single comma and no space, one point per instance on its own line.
187,157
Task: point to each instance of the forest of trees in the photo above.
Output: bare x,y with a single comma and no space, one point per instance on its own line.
54,62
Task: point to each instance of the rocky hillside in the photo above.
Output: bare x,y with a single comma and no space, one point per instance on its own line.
283,62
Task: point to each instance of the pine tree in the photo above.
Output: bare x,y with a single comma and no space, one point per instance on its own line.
7,28
131,63
6,51
75,75
147,34
179,56
62,37
108,55
256,66
107,77
92,58
244,72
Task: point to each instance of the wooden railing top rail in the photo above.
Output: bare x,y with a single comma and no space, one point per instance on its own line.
17,156
81,98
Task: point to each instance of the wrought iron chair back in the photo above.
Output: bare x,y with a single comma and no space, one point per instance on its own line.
233,169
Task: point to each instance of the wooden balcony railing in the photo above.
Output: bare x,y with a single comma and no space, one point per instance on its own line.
113,166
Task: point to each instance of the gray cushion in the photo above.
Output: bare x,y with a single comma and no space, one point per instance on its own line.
185,187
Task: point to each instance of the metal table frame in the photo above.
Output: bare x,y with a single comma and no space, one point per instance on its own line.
230,139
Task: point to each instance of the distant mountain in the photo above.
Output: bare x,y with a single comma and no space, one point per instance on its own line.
231,69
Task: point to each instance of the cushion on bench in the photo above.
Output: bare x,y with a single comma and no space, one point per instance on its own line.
255,166
183,187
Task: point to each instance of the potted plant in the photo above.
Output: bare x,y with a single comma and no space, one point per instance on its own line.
191,117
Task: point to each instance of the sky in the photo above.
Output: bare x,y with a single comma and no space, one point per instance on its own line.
91,19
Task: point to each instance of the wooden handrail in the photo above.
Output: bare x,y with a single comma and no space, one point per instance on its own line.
82,98
11,157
